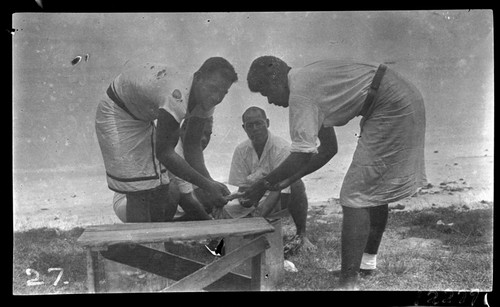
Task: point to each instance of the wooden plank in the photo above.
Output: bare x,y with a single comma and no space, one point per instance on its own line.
187,224
257,271
215,270
92,271
170,266
103,235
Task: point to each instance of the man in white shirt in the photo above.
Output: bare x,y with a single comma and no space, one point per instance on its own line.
258,156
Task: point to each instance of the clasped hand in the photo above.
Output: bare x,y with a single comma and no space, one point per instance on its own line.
216,194
255,192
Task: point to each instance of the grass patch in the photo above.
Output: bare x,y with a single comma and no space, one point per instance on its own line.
39,250
462,257
416,254
477,223
317,271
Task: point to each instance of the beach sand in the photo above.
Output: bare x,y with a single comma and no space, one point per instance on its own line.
68,199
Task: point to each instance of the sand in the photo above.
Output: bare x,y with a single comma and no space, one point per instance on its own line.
77,198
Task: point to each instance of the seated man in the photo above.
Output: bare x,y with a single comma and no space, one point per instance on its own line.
258,156
180,191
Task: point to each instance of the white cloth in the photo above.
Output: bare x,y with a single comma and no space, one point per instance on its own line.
389,161
388,164
368,262
128,144
127,147
325,93
247,168
146,88
236,211
120,206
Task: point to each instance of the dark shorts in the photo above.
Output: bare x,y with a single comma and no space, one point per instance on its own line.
150,206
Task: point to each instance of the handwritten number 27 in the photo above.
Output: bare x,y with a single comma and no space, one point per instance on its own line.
35,282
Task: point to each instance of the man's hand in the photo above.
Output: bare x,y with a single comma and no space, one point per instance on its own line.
236,195
223,188
216,193
254,193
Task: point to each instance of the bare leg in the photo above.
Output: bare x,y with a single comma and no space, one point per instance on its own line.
378,221
355,231
271,204
161,207
201,196
297,205
194,211
138,207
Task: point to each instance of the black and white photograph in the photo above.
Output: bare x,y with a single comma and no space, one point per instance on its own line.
236,151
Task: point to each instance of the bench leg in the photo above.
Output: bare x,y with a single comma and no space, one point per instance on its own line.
92,271
217,269
170,266
257,262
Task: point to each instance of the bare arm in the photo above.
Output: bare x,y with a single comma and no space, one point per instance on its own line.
193,151
167,137
297,165
267,206
326,151
292,164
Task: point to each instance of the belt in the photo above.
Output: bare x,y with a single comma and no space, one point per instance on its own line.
367,105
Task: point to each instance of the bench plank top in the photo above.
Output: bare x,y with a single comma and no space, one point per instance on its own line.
104,235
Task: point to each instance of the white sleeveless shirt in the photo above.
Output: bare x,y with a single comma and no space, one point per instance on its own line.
127,139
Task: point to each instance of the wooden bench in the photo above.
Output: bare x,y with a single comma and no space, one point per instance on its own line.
123,243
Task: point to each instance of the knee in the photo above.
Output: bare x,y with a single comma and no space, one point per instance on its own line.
298,190
298,185
174,194
201,197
